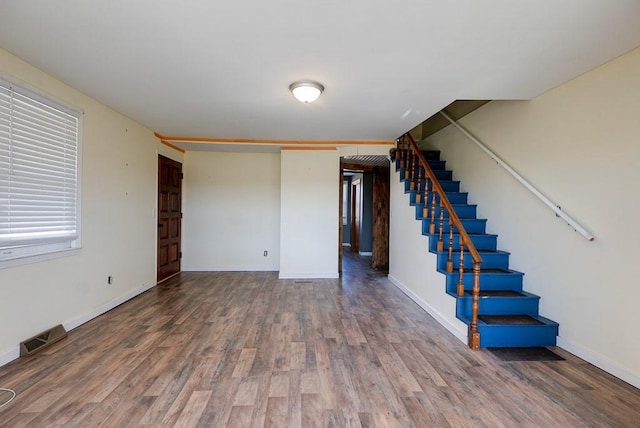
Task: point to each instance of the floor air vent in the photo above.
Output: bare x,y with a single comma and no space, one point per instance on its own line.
42,340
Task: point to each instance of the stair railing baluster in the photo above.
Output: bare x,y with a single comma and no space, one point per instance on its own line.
425,206
461,271
420,177
454,221
432,224
407,170
440,246
450,255
412,185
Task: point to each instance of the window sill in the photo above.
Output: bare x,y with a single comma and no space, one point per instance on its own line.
4,264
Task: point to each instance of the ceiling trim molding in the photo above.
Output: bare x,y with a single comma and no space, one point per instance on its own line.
307,148
165,138
168,144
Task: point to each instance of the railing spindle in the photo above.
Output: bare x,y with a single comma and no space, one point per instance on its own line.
440,245
450,256
461,271
425,207
420,177
407,170
412,185
432,224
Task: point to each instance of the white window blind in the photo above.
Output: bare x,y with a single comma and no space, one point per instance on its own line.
38,174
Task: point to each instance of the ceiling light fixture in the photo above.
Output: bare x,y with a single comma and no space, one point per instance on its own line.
306,91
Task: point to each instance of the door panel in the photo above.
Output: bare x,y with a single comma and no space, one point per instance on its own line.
169,217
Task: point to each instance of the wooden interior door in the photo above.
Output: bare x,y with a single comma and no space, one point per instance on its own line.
356,209
169,217
381,196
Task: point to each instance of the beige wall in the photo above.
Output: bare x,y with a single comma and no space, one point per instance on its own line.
579,144
231,211
118,188
310,181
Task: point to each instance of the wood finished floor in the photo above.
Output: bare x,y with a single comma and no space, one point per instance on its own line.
247,349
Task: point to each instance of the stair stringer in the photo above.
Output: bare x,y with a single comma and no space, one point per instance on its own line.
413,268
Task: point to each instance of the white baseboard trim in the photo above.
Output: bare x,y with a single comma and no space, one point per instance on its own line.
230,268
306,275
10,355
366,253
453,329
69,325
76,322
599,361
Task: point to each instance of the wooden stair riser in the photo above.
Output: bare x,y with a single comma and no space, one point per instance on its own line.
493,260
511,281
499,305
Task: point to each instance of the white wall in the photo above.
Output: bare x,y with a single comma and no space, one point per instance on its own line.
580,145
118,184
412,268
231,210
310,181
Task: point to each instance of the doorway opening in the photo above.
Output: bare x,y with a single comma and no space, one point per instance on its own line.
364,209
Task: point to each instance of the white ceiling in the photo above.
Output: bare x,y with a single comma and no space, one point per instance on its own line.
221,69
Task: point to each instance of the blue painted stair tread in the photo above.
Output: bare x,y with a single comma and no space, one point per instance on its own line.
508,316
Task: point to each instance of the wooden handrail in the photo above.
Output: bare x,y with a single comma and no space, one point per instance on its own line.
454,221
445,200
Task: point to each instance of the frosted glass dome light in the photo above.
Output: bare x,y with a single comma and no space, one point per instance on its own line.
306,91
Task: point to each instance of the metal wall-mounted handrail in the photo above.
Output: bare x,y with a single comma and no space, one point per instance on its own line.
555,208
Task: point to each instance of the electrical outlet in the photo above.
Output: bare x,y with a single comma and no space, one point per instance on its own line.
109,279
266,253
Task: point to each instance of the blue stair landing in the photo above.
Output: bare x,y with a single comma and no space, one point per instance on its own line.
508,316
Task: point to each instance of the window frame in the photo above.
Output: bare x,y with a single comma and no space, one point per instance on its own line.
48,251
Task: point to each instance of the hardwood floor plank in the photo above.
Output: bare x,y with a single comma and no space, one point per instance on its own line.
245,361
294,417
192,411
298,356
309,382
247,392
276,416
239,417
311,410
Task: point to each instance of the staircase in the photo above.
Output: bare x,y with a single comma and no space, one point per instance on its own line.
507,315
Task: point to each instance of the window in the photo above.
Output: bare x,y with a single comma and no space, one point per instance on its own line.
39,204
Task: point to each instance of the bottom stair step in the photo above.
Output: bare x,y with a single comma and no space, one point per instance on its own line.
515,331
